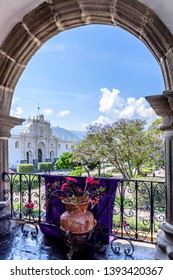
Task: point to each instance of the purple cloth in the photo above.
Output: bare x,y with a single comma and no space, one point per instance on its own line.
103,212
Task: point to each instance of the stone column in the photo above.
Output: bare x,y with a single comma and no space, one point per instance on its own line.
6,124
163,106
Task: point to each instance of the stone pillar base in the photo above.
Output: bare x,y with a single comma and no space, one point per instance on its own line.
4,218
164,249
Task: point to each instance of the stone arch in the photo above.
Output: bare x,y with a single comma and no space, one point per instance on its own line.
29,156
54,16
41,152
40,155
52,155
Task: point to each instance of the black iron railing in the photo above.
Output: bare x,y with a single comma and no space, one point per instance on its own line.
138,210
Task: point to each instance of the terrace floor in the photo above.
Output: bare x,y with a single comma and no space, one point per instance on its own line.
16,246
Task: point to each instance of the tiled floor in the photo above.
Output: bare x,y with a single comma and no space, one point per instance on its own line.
16,246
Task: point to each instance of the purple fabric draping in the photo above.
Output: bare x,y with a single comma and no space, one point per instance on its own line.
103,212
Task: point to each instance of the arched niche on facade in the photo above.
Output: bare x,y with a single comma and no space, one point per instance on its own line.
52,17
29,156
41,152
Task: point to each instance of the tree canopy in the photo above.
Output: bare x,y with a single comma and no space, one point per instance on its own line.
126,144
64,162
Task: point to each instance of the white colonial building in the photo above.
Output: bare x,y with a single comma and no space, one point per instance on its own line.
37,143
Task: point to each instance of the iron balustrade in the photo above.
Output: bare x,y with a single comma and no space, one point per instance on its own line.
138,209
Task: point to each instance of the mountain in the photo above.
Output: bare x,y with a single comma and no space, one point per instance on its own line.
67,134
80,134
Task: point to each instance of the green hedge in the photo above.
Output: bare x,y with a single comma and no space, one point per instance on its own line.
45,166
77,171
25,168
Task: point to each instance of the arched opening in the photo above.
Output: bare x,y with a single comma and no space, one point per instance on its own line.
40,155
28,35
41,152
53,17
83,72
29,156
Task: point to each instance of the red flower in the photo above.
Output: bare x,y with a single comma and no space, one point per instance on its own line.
70,180
29,205
70,189
91,181
64,186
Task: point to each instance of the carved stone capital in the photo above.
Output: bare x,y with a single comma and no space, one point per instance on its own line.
161,106
6,124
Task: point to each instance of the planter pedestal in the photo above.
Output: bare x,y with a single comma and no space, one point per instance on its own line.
75,240
77,223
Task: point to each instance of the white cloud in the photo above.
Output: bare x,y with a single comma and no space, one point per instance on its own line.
48,111
109,100
115,107
63,113
127,112
18,112
102,120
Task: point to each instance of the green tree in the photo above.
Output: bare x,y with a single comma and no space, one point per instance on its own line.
125,144
64,162
85,154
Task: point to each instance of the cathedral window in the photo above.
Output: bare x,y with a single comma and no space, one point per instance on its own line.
17,145
29,145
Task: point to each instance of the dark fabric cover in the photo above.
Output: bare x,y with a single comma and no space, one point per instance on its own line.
103,212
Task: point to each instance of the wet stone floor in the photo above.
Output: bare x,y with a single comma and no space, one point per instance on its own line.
16,246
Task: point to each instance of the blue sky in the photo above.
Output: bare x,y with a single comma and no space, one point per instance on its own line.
89,74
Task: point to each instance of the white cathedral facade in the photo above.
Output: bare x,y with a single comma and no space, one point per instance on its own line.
36,143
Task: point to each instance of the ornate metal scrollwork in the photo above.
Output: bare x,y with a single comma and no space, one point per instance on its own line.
116,248
22,189
29,228
138,210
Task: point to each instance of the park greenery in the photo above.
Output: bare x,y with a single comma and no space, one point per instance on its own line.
25,168
64,162
127,145
45,166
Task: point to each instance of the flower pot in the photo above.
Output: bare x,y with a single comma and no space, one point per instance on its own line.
77,219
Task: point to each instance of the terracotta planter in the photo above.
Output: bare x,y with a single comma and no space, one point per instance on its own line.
77,219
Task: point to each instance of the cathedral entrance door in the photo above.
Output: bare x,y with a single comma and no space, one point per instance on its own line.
40,155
